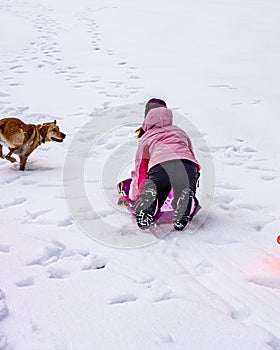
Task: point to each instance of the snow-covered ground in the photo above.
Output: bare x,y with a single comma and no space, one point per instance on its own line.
94,63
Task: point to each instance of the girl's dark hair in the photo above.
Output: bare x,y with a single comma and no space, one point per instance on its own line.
154,103
151,104
157,101
139,132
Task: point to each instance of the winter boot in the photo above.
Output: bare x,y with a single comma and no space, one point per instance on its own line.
145,208
182,212
144,219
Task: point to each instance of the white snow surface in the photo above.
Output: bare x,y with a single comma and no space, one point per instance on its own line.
217,287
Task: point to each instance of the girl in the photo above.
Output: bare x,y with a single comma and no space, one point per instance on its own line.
164,160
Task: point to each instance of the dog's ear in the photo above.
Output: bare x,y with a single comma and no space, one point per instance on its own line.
55,122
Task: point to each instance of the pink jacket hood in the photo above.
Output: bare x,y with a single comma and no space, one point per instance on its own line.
158,117
161,142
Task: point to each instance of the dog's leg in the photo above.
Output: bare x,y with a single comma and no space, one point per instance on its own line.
1,152
23,160
8,156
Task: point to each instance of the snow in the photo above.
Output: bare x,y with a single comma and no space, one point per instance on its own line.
75,272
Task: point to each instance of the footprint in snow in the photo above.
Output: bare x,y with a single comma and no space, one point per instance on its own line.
67,221
203,268
121,299
31,217
15,84
57,272
16,67
135,77
28,182
240,314
234,163
4,342
4,311
56,250
274,342
10,179
3,94
51,253
166,294
273,283
228,186
13,203
94,263
162,339
268,177
34,327
26,282
235,155
259,168
224,201
223,86
4,248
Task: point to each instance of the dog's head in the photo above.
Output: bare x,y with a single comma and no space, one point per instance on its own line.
50,132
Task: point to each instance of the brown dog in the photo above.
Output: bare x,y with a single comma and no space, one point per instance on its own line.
22,139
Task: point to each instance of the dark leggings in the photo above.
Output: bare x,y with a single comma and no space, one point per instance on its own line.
177,174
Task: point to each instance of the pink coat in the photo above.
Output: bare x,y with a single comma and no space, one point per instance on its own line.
161,142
